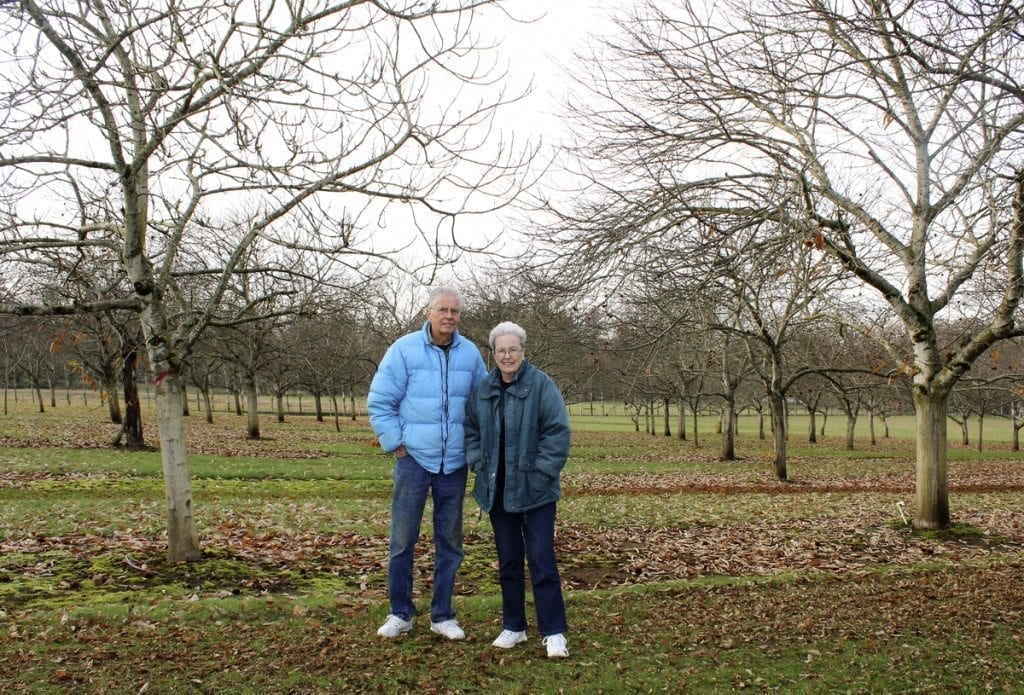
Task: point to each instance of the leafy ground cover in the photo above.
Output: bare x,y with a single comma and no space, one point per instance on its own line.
682,573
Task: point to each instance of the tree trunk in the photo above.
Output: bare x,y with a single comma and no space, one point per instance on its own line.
280,406
682,420
812,435
778,435
728,452
132,427
318,406
182,538
696,437
777,403
981,429
871,427
851,428
352,400
39,397
337,415
113,401
1015,424
932,500
184,400
253,400
668,426
207,404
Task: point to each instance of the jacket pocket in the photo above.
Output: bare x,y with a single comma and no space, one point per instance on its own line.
538,486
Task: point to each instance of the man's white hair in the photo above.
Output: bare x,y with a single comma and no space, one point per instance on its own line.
442,291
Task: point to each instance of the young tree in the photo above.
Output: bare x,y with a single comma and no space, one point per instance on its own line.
38,363
292,125
12,333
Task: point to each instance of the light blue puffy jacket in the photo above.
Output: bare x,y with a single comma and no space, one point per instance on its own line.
418,398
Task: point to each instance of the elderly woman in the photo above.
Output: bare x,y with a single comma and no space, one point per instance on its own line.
517,442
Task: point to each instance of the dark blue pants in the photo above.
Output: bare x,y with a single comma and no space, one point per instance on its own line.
531,535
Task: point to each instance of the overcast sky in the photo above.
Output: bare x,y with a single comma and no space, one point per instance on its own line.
540,52
544,50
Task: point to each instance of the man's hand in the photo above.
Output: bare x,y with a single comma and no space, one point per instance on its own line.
400,451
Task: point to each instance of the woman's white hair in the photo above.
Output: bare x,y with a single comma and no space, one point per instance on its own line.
507,328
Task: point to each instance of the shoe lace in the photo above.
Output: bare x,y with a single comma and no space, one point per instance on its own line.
555,640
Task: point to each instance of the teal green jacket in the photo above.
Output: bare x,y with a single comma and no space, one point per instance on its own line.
536,439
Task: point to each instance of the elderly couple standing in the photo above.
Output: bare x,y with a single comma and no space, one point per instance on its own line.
433,405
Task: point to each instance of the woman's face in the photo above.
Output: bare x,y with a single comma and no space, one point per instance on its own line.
509,355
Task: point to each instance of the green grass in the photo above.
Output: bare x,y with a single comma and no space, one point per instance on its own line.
804,636
682,573
997,430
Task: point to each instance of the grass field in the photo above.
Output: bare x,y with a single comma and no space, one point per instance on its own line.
682,573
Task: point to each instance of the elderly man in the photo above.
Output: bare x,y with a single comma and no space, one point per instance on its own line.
416,403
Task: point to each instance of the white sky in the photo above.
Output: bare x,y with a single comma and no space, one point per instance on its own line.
543,51
540,51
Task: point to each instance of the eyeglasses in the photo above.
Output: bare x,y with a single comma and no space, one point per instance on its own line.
511,352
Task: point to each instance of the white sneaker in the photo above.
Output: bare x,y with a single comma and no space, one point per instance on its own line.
449,629
557,648
394,626
509,638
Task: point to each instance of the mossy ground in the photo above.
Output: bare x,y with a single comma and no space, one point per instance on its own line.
681,573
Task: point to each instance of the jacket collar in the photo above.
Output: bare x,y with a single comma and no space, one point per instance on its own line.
456,336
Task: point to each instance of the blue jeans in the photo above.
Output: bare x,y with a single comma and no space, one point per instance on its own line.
530,534
412,483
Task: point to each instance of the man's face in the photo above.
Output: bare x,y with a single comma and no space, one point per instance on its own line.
444,315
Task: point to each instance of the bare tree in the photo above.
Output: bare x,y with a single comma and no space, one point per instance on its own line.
885,134
38,363
95,351
988,389
289,125
810,393
336,354
773,295
11,332
727,362
203,367
561,338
